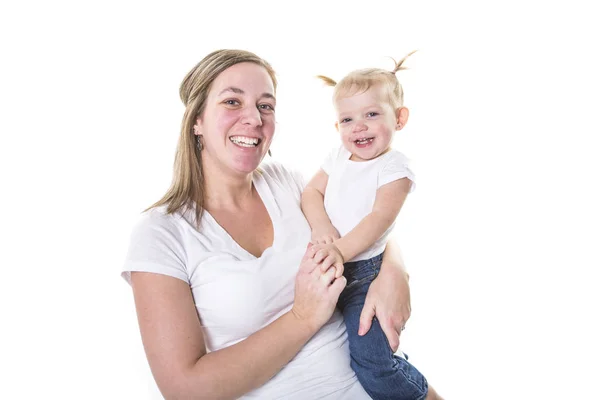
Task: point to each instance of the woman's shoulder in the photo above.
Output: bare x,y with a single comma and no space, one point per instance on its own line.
158,217
276,173
157,245
157,222
276,170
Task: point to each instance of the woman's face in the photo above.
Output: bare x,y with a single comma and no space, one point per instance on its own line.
238,121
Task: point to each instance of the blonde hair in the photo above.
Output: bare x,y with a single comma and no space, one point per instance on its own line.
187,187
361,80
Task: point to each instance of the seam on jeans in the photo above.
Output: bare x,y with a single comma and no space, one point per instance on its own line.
375,270
397,362
370,277
409,378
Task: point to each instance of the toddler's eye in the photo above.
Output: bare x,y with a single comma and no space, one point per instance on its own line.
372,114
344,120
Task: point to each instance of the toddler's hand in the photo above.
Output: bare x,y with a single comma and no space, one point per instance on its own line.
328,255
324,235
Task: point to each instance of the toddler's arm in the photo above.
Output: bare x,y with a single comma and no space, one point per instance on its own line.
388,202
323,232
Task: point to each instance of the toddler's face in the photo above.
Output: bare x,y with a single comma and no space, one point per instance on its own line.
366,122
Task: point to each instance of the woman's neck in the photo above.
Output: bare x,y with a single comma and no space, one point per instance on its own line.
222,190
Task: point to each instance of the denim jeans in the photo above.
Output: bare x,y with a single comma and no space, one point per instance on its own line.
384,375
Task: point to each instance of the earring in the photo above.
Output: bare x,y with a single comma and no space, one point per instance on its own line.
199,143
269,153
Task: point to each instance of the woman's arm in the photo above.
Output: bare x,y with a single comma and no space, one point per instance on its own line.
388,297
175,347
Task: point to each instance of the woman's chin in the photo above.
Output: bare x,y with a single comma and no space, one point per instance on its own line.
246,165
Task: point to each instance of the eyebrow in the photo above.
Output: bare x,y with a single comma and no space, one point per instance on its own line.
240,91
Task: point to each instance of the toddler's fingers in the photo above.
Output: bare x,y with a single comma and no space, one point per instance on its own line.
339,270
319,256
327,262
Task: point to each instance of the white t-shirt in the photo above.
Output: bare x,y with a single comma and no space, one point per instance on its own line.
237,294
352,186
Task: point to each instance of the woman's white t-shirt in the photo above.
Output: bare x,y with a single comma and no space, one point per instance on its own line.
237,294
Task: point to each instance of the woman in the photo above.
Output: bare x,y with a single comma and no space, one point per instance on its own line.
224,310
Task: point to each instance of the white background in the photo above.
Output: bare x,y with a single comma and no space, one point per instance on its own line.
501,236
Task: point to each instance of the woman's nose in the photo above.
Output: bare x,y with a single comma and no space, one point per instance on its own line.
252,117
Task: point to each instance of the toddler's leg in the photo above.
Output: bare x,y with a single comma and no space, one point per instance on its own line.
383,375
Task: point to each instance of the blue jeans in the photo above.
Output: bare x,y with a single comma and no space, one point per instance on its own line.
384,375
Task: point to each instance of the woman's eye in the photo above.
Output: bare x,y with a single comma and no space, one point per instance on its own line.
232,102
266,107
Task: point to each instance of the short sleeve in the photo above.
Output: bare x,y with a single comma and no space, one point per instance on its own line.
330,161
156,245
396,167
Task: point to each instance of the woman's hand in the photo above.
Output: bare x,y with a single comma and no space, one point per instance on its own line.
316,292
388,299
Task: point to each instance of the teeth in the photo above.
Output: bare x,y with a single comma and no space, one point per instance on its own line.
244,144
244,141
363,141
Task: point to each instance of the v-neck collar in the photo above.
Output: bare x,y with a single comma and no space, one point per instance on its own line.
268,200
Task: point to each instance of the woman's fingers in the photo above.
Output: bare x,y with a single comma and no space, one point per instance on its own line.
328,276
391,332
316,293
337,286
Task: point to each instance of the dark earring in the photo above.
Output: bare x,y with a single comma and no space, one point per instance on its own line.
269,153
199,143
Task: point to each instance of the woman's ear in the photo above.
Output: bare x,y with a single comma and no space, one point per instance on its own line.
401,117
197,127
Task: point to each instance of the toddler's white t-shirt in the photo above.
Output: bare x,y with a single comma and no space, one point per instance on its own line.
352,186
237,294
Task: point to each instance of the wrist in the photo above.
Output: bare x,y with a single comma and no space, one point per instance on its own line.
340,244
395,269
322,225
339,251
301,323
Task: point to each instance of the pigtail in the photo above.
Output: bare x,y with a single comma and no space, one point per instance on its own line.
327,81
398,65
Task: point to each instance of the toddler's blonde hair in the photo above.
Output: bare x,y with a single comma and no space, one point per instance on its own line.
361,80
